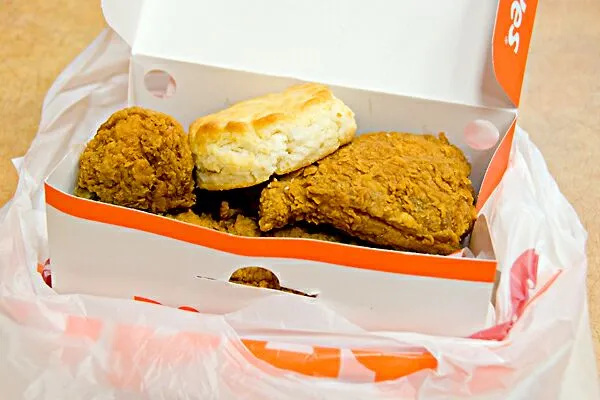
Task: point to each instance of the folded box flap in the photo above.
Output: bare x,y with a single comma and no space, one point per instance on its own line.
512,36
123,17
431,49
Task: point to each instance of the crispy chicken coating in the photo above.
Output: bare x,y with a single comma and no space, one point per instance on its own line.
262,278
256,276
307,232
236,222
396,190
233,223
140,159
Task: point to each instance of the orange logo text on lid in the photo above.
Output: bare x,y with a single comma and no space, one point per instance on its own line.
512,35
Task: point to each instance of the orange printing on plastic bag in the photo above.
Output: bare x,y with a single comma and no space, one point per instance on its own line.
324,362
126,361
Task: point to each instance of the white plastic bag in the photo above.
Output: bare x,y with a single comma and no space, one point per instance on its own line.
85,347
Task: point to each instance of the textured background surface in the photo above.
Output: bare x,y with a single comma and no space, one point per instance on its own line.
560,106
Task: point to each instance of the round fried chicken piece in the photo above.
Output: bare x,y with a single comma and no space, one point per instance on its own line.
140,159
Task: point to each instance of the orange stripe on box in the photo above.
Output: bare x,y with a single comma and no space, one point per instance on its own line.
333,253
497,167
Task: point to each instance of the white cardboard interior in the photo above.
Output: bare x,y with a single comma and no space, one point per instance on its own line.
433,49
374,111
395,89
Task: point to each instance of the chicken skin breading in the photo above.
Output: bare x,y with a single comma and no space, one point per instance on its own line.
262,278
231,222
139,159
396,190
257,277
306,231
235,222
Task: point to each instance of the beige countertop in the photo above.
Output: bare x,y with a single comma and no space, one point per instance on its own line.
560,106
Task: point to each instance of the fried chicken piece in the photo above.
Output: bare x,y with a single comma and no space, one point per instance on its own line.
235,224
140,159
205,220
242,226
256,276
397,190
262,278
305,232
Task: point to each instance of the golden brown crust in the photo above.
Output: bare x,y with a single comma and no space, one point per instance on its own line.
262,278
255,276
235,222
258,113
307,232
231,222
408,192
141,159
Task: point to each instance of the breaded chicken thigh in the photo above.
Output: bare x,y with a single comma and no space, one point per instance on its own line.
397,190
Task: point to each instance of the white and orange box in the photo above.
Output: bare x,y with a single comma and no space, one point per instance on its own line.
422,67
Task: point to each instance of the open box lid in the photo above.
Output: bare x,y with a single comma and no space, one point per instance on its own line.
462,51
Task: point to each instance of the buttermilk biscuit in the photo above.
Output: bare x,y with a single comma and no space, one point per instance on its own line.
249,142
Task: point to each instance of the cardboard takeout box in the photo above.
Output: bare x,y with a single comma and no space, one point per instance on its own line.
400,65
